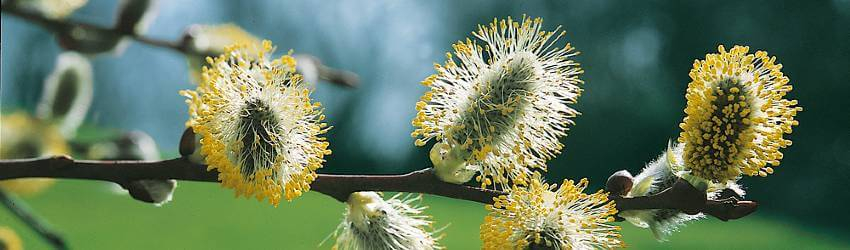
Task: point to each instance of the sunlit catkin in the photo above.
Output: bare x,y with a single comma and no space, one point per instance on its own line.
212,39
736,115
370,222
544,216
257,123
499,108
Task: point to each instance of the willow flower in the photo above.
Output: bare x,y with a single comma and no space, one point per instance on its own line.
24,136
657,176
544,215
212,39
736,115
370,222
499,110
257,124
9,240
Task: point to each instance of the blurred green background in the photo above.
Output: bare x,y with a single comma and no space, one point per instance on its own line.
636,57
204,216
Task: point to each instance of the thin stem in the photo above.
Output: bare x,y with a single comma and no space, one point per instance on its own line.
59,25
20,209
681,196
421,181
685,197
336,186
336,76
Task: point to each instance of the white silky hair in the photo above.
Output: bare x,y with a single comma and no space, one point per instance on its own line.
370,222
659,175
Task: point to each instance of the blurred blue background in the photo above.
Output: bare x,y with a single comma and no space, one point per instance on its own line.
636,56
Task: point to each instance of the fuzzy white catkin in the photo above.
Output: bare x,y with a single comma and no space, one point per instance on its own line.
499,104
657,176
370,222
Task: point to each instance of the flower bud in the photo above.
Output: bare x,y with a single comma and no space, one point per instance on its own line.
135,16
68,93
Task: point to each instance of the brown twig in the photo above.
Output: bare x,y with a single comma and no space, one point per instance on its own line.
336,186
57,26
681,196
685,197
336,76
421,181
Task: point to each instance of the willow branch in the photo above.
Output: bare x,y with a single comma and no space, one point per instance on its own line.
684,197
27,216
336,186
59,25
333,75
420,181
681,196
